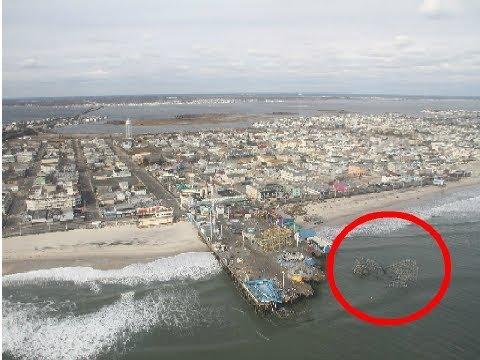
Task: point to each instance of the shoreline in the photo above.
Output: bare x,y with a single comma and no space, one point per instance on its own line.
341,211
105,248
116,247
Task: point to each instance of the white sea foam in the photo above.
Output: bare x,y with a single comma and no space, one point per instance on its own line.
469,207
194,265
31,331
46,330
456,209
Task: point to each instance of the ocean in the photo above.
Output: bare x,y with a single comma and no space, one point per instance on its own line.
185,307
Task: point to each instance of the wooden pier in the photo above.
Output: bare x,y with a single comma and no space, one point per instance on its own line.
242,263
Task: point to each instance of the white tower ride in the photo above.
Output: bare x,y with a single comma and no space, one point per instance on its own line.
128,129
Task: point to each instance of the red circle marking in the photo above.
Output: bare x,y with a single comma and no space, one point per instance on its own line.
382,321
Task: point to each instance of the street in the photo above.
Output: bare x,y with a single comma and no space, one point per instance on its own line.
151,183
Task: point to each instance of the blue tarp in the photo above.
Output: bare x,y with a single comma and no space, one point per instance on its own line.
306,233
264,290
285,222
310,261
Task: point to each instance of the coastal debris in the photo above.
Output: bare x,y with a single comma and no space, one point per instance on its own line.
318,246
364,267
315,219
401,273
284,313
297,269
296,209
296,277
292,256
218,246
275,238
263,336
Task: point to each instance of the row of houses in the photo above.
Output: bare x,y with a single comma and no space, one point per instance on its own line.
320,156
119,194
55,195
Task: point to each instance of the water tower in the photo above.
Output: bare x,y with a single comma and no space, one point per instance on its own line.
128,129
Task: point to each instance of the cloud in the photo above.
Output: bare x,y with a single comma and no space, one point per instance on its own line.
262,53
402,41
96,73
437,9
215,48
31,63
183,67
147,36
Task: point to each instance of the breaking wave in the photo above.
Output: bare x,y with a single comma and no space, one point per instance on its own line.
54,328
34,331
193,265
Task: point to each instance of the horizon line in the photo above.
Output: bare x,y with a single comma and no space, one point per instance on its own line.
246,93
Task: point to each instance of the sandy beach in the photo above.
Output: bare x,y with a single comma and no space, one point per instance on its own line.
105,248
342,210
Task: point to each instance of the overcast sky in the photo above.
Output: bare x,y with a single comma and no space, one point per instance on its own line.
68,47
